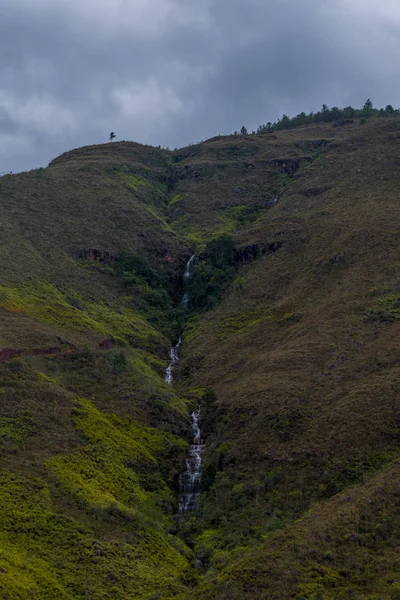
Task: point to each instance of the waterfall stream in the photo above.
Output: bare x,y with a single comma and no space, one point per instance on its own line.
189,263
174,352
174,356
189,480
186,277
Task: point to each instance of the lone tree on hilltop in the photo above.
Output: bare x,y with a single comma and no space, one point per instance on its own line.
368,105
243,131
112,136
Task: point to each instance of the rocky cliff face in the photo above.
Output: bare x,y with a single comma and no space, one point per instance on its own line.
289,344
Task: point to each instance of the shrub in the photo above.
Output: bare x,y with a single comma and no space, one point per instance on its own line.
117,361
213,273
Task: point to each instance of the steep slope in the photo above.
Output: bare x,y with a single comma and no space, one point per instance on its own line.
303,356
228,182
96,198
88,275
291,347
343,548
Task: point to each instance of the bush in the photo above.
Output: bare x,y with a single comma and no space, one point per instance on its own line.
116,361
213,273
151,288
328,115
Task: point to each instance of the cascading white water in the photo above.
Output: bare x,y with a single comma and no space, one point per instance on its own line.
174,352
186,277
189,480
186,274
185,300
174,356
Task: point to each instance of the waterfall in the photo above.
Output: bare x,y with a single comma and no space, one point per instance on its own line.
174,352
185,300
189,480
186,277
174,357
186,274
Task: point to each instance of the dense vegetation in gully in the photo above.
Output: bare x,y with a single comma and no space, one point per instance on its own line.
290,344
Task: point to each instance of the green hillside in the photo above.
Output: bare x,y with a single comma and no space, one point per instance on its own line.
290,344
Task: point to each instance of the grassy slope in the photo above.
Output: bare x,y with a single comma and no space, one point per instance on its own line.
87,487
304,358
226,183
345,547
302,353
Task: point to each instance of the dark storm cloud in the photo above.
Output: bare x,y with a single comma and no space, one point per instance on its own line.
297,57
171,72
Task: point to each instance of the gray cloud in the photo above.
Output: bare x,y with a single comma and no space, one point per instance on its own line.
171,72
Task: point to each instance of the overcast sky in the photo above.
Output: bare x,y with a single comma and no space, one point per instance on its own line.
172,72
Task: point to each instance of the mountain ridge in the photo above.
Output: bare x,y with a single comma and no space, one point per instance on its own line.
290,344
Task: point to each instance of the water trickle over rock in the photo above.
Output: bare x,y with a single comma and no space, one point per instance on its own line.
189,480
186,277
174,356
174,352
186,274
185,300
